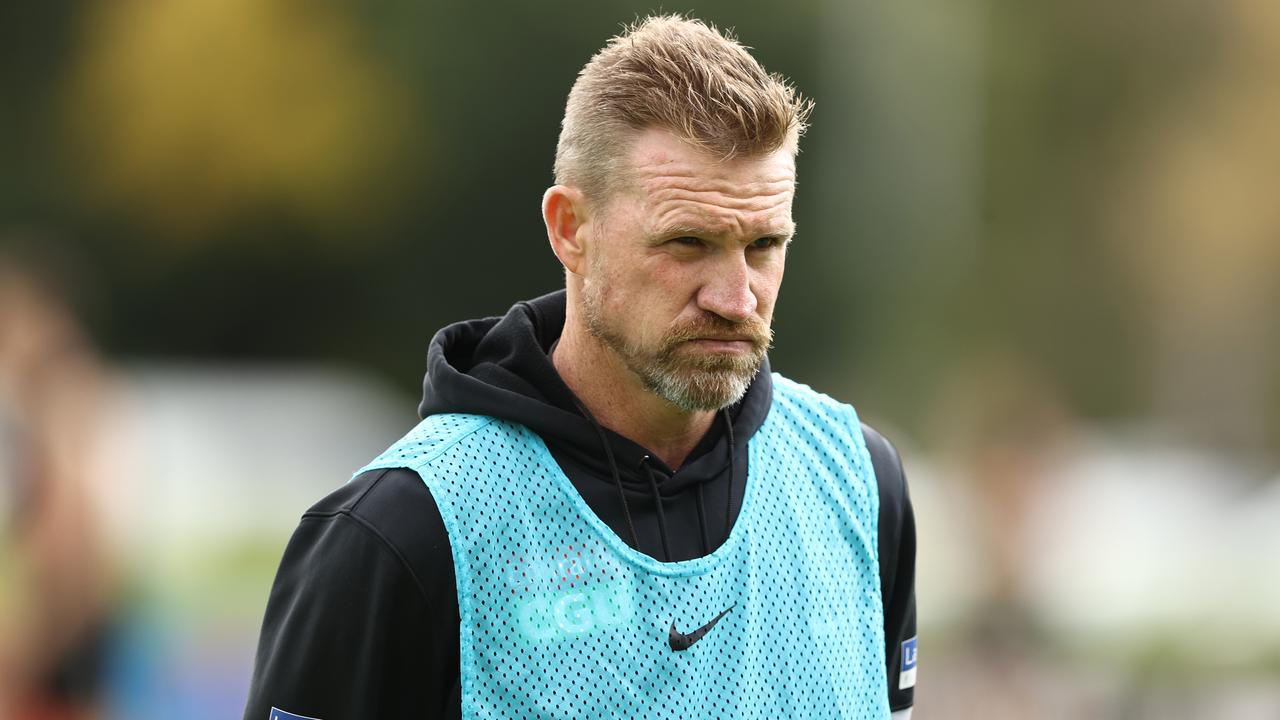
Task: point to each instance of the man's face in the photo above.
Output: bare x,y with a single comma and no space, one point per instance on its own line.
685,266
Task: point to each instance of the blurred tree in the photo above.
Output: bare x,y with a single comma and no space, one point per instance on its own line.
185,116
1194,217
35,40
288,179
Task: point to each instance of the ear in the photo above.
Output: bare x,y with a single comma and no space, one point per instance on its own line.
564,210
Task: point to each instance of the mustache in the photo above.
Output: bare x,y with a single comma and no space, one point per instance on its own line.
754,330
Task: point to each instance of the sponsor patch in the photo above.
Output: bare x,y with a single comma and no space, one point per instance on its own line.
278,714
907,678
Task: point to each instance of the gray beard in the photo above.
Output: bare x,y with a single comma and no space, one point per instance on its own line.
690,382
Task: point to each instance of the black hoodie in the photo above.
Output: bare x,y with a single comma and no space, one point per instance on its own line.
362,621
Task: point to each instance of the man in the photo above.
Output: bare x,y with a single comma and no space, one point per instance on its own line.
611,507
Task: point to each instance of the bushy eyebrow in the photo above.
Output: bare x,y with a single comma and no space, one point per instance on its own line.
682,230
785,234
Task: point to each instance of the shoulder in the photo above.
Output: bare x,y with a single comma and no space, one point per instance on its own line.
887,464
812,412
398,496
395,511
801,405
885,460
364,592
790,392
431,438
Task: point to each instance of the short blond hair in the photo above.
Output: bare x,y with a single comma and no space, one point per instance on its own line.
681,75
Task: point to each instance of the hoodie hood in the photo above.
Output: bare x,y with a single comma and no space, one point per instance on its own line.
501,367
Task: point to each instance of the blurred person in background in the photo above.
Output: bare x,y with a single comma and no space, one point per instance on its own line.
56,599
612,505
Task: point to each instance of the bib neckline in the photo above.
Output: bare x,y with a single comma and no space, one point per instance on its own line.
638,559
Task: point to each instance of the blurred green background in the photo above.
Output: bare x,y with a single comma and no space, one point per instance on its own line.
1039,247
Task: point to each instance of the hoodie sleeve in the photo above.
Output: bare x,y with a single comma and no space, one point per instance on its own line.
897,541
351,630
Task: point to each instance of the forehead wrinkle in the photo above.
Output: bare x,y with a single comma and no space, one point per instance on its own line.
720,201
714,209
762,200
676,193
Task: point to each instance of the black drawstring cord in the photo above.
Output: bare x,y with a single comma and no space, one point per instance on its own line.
657,497
617,478
662,516
702,522
728,503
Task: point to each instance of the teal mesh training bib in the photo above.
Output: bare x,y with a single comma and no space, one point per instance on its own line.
562,619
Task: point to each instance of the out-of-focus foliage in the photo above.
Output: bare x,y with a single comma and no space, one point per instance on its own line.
1080,189
1191,214
185,116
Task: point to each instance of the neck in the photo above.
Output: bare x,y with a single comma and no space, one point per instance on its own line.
618,399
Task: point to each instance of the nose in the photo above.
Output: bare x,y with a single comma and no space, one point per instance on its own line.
727,292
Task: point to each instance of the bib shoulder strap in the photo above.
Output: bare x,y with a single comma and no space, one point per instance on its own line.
429,439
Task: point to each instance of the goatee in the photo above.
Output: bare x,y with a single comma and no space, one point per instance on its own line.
683,375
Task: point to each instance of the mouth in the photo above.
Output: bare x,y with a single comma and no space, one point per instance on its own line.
724,344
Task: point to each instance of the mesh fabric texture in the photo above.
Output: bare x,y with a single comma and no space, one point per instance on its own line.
559,618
